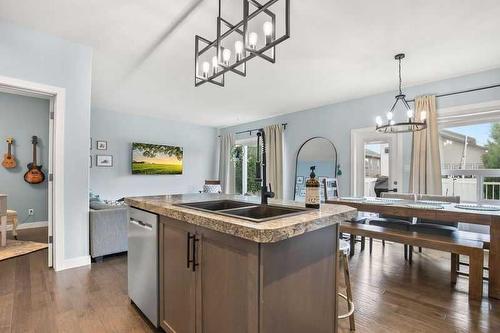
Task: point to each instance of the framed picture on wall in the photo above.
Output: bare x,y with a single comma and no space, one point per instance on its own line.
104,161
102,145
156,159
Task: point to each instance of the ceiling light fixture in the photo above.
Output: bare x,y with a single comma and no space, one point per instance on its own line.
247,46
412,125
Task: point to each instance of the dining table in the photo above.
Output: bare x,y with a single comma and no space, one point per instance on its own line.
480,214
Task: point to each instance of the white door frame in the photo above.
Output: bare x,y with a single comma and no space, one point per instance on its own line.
57,98
358,137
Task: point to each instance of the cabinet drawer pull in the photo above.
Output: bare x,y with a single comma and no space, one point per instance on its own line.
189,259
195,240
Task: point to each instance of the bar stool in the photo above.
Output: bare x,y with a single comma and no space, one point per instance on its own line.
344,250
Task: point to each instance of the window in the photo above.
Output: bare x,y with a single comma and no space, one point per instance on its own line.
470,161
245,168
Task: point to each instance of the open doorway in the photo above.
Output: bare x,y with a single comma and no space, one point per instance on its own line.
24,173
376,160
377,168
53,98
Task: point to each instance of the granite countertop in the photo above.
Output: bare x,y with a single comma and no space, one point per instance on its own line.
263,232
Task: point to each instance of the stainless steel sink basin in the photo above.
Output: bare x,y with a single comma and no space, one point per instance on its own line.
245,210
217,205
262,213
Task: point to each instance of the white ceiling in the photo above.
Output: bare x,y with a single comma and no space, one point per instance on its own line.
338,50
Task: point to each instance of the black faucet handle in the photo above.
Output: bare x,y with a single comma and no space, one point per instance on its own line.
270,193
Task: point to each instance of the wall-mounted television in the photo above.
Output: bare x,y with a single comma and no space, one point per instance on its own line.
154,159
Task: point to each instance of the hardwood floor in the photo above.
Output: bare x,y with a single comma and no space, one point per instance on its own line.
390,295
93,299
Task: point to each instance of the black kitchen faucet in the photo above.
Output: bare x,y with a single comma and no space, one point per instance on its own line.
265,194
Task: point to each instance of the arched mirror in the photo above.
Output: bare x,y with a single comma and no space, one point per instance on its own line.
321,153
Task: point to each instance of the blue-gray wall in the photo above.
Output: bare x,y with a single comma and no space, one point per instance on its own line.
120,130
337,120
42,58
22,117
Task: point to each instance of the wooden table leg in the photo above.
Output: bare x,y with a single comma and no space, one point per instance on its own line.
494,259
454,267
476,275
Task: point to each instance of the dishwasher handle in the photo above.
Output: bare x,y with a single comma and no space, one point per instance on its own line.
141,224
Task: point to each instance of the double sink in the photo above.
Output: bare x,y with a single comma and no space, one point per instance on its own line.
245,210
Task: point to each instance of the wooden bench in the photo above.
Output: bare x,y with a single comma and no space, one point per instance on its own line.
460,243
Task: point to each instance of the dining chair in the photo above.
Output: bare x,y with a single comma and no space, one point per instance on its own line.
435,226
393,221
331,191
212,186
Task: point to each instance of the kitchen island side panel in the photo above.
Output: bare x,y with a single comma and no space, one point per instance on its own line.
298,283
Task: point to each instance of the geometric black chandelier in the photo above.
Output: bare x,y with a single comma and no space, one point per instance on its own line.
254,36
412,125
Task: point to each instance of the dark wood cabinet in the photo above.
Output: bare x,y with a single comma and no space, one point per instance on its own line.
243,286
177,282
227,283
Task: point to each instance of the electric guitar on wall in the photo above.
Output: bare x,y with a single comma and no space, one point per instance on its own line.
9,161
34,175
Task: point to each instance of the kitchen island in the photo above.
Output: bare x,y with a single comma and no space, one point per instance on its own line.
220,273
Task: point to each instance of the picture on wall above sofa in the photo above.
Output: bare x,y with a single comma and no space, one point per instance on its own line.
152,159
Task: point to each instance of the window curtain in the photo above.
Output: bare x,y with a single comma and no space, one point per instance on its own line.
425,168
274,161
226,167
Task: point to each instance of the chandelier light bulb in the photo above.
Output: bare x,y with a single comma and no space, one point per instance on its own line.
378,120
205,68
389,115
268,31
226,55
268,28
409,113
238,48
215,64
252,40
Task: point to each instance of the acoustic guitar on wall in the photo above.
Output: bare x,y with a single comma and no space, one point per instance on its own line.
9,161
34,175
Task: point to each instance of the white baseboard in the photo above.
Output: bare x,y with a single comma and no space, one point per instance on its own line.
29,225
73,263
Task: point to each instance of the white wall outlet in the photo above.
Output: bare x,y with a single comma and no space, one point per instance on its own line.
31,212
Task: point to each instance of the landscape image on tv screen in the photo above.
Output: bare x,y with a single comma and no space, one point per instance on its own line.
152,159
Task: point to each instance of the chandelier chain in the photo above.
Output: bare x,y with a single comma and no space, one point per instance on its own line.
400,80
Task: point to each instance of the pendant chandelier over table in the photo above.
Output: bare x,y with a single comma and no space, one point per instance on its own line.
412,125
232,48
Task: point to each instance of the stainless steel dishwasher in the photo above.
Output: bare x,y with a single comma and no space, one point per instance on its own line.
143,263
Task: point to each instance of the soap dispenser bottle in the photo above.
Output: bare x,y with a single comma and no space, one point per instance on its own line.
312,190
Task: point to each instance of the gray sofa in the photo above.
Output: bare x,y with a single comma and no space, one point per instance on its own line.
108,231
